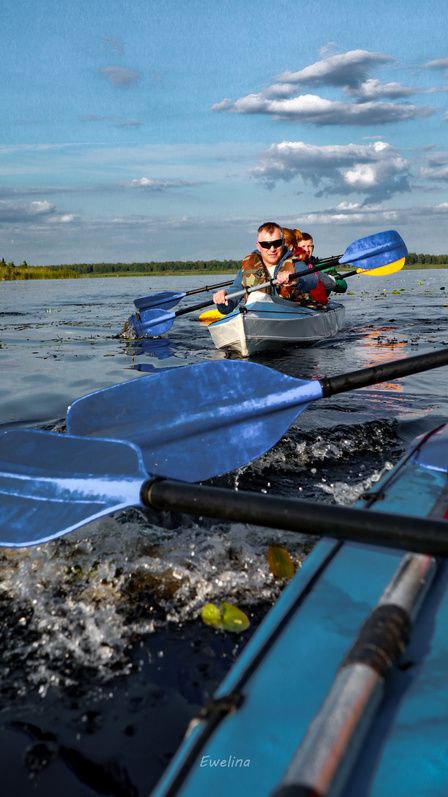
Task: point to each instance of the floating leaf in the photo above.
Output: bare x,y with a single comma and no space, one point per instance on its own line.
280,562
233,618
225,618
211,615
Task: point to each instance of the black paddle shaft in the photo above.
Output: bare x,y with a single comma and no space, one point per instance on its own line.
380,373
304,517
209,288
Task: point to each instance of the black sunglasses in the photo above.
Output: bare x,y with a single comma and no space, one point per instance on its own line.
269,244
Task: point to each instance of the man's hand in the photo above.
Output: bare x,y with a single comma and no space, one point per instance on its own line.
282,277
220,297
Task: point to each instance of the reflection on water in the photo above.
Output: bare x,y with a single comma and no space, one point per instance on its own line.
161,348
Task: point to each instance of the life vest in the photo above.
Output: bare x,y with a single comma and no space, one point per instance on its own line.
254,272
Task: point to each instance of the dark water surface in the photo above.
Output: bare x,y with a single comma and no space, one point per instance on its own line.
103,658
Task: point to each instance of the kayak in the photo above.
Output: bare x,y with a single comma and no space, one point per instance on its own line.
274,324
314,706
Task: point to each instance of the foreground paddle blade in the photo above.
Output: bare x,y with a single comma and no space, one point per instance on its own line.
196,422
51,484
375,251
164,299
391,268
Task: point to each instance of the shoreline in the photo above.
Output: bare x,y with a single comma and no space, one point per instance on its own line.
175,272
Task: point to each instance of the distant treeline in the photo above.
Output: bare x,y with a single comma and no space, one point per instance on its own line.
11,271
426,260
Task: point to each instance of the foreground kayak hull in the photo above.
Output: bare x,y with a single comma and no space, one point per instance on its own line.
270,325
269,704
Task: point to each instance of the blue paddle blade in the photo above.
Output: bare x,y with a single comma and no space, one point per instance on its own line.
51,484
165,299
375,250
151,322
200,421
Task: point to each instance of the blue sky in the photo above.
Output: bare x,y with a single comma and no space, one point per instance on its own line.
139,130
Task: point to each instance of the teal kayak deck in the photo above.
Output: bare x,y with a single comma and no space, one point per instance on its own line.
276,688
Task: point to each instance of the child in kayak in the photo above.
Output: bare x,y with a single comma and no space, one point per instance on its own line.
306,243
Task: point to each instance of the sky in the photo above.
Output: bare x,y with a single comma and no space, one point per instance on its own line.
147,131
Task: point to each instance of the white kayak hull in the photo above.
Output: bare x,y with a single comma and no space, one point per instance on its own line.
268,325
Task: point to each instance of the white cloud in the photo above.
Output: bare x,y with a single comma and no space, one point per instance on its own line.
41,206
436,167
435,172
372,89
23,212
361,177
371,217
437,63
364,216
279,90
39,212
344,69
64,218
320,111
119,75
225,105
155,184
376,170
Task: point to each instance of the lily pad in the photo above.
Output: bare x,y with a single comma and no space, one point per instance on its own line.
211,615
225,617
280,562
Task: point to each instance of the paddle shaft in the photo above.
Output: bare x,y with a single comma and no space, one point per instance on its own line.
319,267
380,373
208,288
302,517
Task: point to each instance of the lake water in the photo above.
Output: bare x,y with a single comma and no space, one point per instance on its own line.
103,657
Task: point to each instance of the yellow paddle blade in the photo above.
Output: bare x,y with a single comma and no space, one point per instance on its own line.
209,316
391,268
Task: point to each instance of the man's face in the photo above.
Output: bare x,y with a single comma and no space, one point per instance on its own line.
307,245
271,255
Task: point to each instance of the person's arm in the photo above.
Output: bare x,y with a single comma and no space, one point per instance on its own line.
328,281
224,305
340,285
303,284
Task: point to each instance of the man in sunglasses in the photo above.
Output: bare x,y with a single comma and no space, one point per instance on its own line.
270,260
